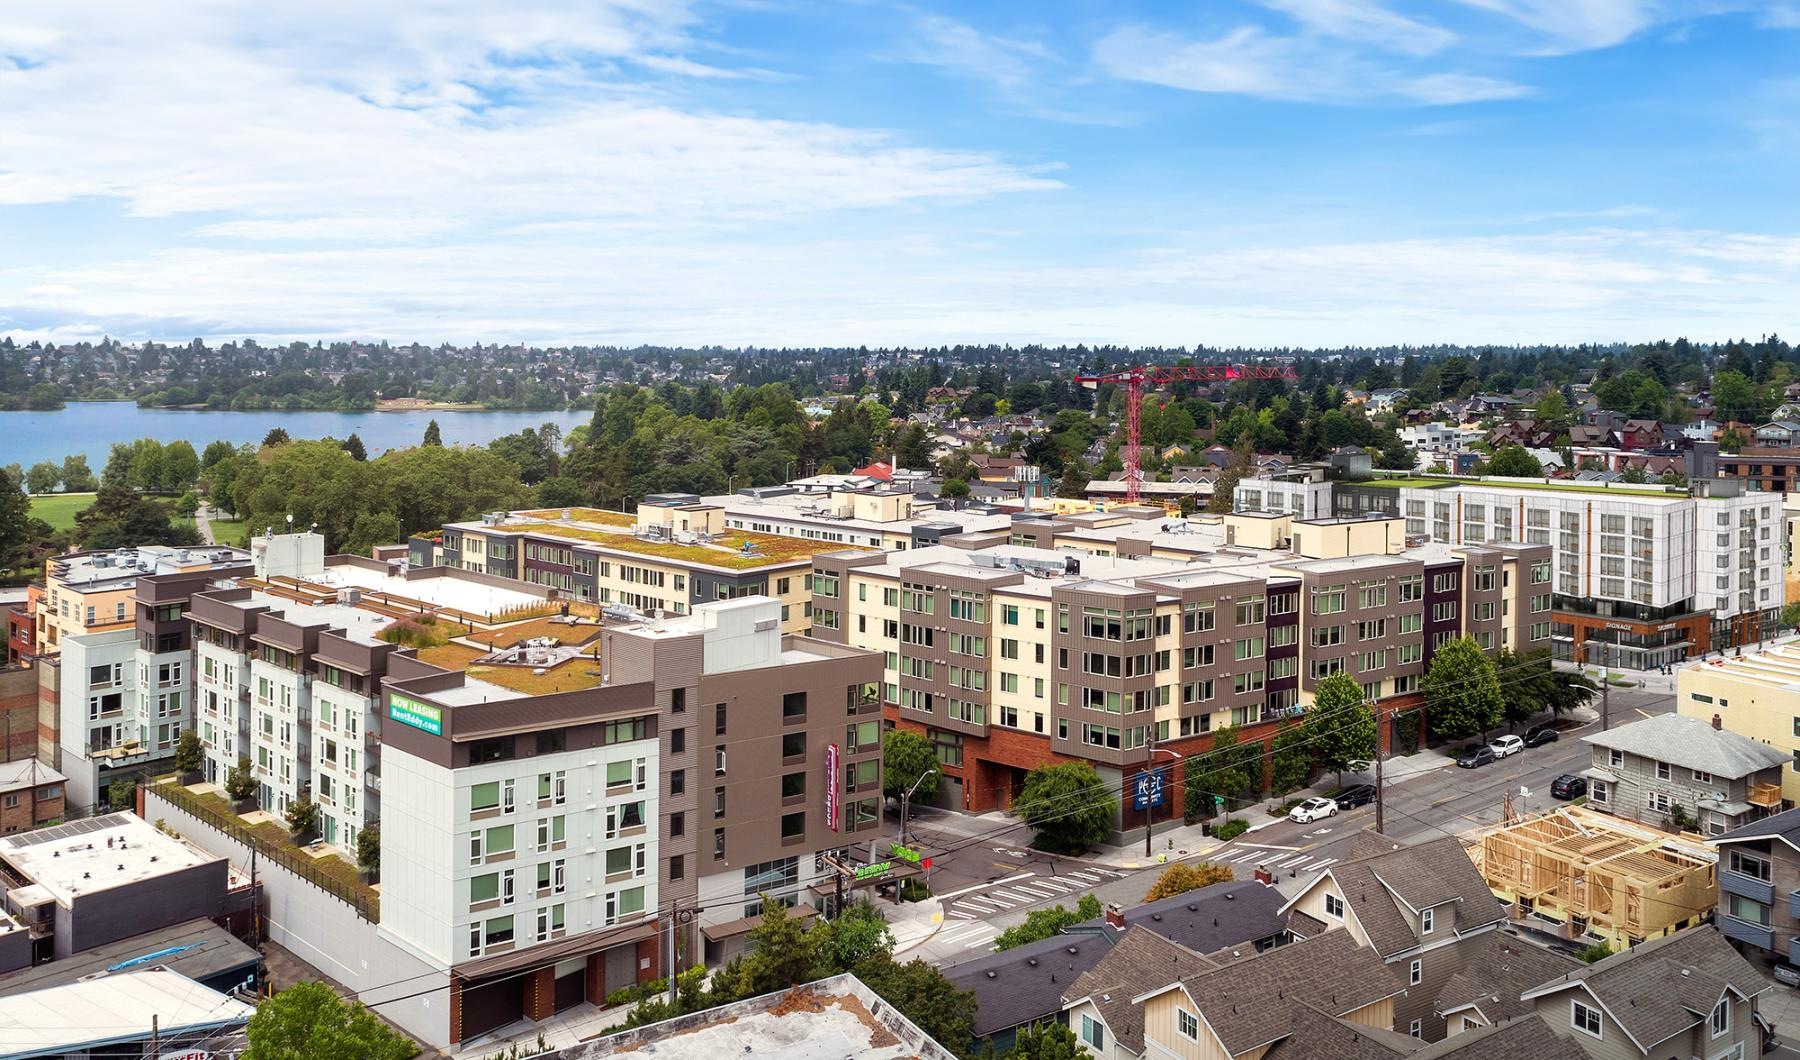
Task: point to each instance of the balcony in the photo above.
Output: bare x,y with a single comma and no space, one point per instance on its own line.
1744,931
1747,887
1767,796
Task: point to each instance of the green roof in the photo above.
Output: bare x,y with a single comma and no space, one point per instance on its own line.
1434,482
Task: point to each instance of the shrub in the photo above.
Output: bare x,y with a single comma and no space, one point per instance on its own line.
1597,952
1231,830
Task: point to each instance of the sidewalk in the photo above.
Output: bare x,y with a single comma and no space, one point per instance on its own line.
913,923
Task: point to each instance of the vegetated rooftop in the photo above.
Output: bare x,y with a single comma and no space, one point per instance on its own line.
1431,482
725,551
578,673
603,516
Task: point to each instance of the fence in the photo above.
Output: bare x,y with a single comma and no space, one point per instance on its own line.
366,902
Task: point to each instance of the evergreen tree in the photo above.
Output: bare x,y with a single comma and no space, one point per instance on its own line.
433,436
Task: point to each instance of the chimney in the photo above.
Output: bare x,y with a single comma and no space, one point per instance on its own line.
1718,723
1115,916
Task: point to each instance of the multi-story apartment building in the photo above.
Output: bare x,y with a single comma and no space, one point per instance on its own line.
1010,656
1751,695
92,592
882,516
675,553
1644,575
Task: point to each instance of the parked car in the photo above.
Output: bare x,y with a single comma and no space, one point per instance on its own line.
1475,757
1312,809
1506,745
1786,974
1541,735
1568,786
1356,795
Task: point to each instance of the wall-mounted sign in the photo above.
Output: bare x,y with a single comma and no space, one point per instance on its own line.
408,711
869,872
1148,789
831,786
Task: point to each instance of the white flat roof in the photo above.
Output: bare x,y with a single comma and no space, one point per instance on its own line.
447,590
115,1008
72,859
358,624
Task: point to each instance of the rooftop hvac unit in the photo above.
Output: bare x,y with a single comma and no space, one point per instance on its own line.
349,597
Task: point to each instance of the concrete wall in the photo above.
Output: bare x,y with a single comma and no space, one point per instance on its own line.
327,933
116,913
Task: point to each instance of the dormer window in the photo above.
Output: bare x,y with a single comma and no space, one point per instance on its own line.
1426,921
1334,906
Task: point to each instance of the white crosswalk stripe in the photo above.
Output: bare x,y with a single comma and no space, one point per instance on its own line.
1011,896
980,905
970,935
1110,872
1083,876
960,915
1037,891
1059,886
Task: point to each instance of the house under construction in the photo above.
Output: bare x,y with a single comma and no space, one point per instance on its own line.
1598,878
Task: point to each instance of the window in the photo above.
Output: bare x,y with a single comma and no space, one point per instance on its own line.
1721,1017
1187,1024
1093,1032
1749,865
1747,910
1584,1019
719,719
1415,972
1416,1028
1615,759
1334,907
1426,921
1664,771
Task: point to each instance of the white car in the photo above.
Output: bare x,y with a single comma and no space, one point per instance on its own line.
1506,745
1313,809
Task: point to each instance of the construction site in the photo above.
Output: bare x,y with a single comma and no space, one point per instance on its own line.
1589,876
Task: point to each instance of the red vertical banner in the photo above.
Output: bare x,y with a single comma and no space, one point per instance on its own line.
831,786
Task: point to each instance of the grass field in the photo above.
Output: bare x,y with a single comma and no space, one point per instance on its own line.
59,509
229,532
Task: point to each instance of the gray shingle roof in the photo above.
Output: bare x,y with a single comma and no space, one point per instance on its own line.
1243,999
1783,825
1142,961
1524,1038
1026,983
1497,969
1434,874
1314,1034
1214,917
1691,744
1660,988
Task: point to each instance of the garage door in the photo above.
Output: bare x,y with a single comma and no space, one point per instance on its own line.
492,1005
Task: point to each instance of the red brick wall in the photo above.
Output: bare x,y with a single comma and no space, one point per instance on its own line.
18,713
652,950
540,993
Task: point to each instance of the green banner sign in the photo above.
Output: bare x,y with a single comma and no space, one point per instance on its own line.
906,853
869,872
419,715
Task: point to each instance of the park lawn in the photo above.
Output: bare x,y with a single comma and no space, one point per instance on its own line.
59,509
230,532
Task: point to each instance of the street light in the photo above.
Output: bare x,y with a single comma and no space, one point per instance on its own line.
1149,808
906,796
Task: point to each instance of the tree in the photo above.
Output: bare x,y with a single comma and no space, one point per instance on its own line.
276,436
240,783
1181,878
121,794
1513,461
1218,772
906,756
368,848
783,953
16,531
1049,1040
561,491
1290,759
188,504
1225,486
188,755
954,488
1042,923
354,446
179,467
1339,727
1462,690
77,477
858,934
308,1020
433,436
1790,614
302,816
121,518
923,995
43,477
1067,805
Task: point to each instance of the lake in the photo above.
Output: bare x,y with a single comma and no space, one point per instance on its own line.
91,427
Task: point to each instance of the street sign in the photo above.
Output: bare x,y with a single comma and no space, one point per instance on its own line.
1219,801
1149,790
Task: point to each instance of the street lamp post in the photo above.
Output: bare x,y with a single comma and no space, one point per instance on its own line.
1150,753
906,798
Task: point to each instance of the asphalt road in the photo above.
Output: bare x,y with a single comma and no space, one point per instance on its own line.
994,880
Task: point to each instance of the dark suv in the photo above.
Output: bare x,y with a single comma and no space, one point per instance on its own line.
1568,786
1475,757
1356,795
1539,736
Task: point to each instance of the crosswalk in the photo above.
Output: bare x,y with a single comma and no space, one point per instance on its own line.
1029,891
1274,859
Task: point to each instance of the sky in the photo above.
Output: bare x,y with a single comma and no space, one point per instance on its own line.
857,172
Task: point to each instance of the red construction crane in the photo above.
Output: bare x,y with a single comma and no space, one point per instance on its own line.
1160,376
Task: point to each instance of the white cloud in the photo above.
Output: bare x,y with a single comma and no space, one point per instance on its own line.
1564,26
1253,62
1571,286
1370,23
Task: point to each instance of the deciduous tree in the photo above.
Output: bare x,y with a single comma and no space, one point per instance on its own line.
1462,691
308,1021
1339,727
1181,878
1067,805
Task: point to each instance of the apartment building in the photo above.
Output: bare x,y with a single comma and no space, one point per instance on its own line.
92,592
1759,887
1751,695
1643,575
675,553
880,515
1008,656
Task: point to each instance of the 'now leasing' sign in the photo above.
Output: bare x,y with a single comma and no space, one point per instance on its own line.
419,715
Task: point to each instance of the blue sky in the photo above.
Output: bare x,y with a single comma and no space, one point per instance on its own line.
1262,172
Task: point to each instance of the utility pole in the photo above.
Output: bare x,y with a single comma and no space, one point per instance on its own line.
670,970
1605,690
155,1036
1381,738
1150,750
906,799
